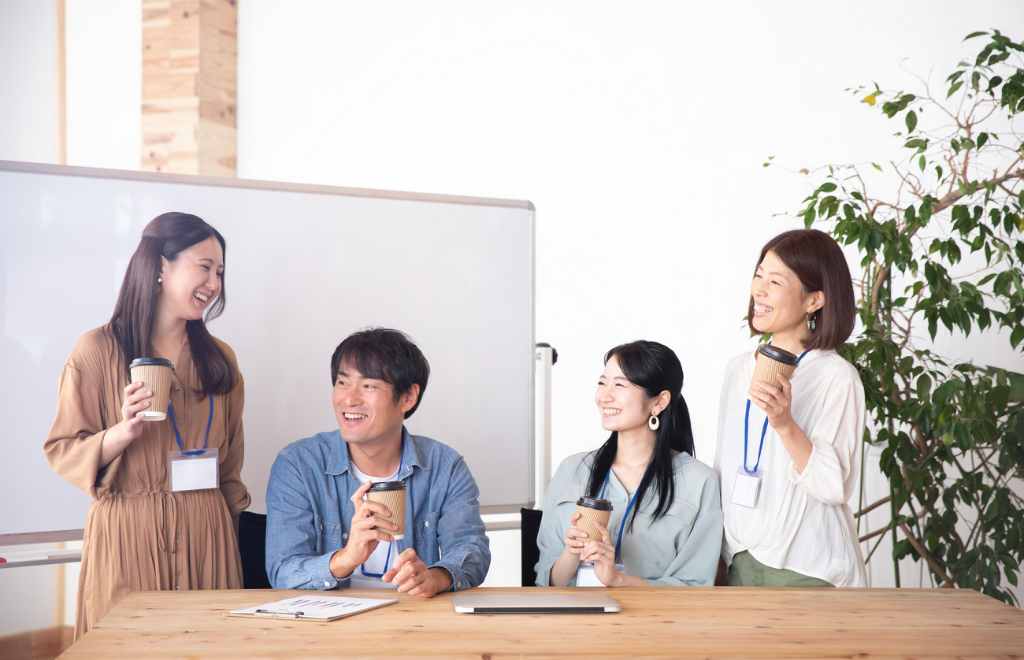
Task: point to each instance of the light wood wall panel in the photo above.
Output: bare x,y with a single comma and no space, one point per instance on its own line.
189,86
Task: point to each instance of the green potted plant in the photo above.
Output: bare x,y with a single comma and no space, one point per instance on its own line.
944,249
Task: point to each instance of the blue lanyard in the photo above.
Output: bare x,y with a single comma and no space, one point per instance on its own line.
622,524
391,544
177,436
764,429
387,560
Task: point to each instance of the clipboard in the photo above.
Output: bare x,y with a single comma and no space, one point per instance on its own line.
312,608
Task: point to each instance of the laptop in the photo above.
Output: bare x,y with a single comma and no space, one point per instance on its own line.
534,603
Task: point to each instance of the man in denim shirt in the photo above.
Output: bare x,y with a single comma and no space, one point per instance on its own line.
320,530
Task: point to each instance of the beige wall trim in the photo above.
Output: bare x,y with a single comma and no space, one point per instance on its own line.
99,173
189,86
62,106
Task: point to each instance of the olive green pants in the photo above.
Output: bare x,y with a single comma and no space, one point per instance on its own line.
748,572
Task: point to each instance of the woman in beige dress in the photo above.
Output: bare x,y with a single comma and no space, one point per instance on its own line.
140,536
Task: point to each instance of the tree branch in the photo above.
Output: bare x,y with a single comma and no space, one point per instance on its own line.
924,553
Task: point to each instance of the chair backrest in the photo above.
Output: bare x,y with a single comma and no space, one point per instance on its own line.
252,545
530,553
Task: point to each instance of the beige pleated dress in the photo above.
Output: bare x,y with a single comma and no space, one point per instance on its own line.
139,536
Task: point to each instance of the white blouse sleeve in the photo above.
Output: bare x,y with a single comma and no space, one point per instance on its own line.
830,475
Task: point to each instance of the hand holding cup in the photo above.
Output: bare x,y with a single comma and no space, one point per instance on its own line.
602,553
136,401
363,535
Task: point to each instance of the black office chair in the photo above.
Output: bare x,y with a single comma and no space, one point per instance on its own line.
252,545
530,553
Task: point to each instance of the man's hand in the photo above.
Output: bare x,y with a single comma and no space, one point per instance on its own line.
412,576
362,535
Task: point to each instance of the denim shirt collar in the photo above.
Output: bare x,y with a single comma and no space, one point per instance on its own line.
338,462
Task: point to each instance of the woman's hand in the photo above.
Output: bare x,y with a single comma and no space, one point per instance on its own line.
602,553
778,404
780,417
574,538
130,427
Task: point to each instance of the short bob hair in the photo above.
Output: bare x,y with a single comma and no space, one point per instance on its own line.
820,264
387,355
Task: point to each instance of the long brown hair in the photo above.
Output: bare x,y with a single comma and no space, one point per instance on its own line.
167,236
820,265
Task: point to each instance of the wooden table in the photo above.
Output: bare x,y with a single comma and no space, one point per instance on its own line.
654,623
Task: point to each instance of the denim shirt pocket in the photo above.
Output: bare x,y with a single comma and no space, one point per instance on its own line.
328,535
424,538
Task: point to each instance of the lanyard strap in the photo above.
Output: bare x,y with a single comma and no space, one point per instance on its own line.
632,500
391,544
177,436
387,560
764,429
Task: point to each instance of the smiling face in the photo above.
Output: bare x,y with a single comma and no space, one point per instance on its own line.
780,303
622,405
192,281
366,408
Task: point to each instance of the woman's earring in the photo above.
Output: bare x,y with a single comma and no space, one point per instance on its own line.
810,321
159,284
654,423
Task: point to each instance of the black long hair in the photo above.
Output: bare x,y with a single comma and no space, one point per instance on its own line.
655,368
168,235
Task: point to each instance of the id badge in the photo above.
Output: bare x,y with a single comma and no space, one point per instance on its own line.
747,488
194,471
586,576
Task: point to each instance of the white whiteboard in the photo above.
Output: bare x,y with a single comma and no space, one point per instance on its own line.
305,266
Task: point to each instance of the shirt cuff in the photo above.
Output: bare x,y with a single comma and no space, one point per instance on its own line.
459,581
797,477
322,578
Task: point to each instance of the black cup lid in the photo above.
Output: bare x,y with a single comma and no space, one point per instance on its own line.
778,354
594,503
387,485
151,362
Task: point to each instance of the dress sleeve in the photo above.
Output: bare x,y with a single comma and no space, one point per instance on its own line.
830,475
76,437
236,495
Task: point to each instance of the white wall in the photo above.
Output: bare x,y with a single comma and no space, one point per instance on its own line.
28,81
104,83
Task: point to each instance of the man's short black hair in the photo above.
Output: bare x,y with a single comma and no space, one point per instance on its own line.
387,355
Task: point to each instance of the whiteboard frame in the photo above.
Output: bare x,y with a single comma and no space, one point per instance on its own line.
277,186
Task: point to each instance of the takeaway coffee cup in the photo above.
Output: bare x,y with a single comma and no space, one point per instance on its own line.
155,374
770,361
392,495
592,510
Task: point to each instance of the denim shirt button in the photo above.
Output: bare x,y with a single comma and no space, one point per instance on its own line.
426,524
326,583
344,535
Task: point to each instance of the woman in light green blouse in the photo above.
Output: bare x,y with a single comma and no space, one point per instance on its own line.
666,524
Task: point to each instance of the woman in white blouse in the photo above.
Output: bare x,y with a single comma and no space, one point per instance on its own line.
801,443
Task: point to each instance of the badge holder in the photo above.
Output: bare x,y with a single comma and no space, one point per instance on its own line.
193,470
586,576
747,488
